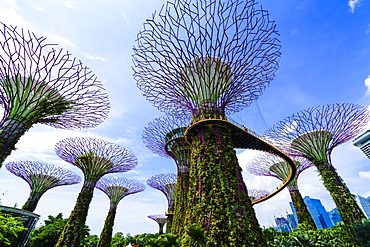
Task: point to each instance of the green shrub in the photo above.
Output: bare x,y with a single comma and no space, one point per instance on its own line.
362,232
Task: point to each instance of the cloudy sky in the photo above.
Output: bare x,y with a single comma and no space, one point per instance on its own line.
325,59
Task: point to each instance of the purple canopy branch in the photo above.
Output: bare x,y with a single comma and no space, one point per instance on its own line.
40,83
256,194
116,188
41,177
166,183
234,43
160,219
313,134
95,158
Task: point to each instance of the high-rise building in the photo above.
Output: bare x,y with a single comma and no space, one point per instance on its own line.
292,220
282,225
365,203
363,142
334,216
318,212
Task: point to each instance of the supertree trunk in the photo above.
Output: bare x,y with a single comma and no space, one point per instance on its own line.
182,187
217,198
303,215
345,201
106,234
31,202
72,232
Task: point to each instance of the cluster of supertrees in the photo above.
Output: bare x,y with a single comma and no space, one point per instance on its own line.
40,83
209,59
195,60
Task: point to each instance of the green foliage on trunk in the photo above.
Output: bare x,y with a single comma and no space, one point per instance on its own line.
303,214
217,198
106,234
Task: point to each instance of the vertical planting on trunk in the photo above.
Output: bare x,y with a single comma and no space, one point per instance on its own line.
116,188
41,83
95,158
160,219
218,199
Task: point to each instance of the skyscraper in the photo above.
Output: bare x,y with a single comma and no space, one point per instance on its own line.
363,142
365,203
317,211
334,216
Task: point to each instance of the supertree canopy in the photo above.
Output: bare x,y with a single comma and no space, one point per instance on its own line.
116,188
40,83
166,183
313,134
256,194
273,166
213,55
41,177
165,137
95,158
160,219
210,58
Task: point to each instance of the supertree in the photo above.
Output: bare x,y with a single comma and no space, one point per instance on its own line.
95,158
116,188
160,219
210,58
165,136
41,177
166,183
256,194
273,166
40,83
313,134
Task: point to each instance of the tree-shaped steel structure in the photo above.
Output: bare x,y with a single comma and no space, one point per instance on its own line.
161,220
95,158
313,134
256,194
165,136
116,188
40,83
210,58
273,166
166,183
41,177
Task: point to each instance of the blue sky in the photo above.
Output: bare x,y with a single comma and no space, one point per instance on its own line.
325,59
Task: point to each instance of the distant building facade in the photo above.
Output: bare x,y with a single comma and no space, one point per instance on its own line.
365,203
282,225
321,217
363,142
334,216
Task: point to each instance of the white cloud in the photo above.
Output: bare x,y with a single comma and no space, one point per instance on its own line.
40,9
70,4
95,57
367,84
9,15
353,4
364,174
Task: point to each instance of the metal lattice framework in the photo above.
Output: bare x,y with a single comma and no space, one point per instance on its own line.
273,166
314,132
41,177
160,219
256,194
35,74
95,157
166,183
116,188
164,136
206,55
40,83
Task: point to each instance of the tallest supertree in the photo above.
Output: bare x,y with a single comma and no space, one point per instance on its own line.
41,83
210,58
